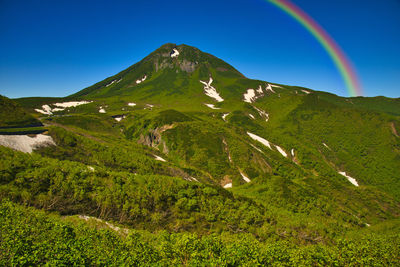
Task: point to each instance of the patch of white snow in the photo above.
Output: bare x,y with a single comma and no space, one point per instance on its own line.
228,185
224,116
71,104
269,88
260,90
211,106
141,80
131,104
174,53
211,91
281,151
305,91
159,158
262,113
115,81
292,152
260,139
26,143
102,110
249,96
251,116
351,179
245,177
326,146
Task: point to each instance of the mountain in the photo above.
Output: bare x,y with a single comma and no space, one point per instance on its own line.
181,145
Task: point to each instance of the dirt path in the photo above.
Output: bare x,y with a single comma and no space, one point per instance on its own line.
394,129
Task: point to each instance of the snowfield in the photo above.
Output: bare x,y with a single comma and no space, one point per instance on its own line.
47,110
260,90
260,139
26,143
159,158
115,81
325,145
245,177
174,53
305,91
211,106
262,113
224,116
256,148
281,151
292,152
269,88
141,80
102,110
131,104
251,116
351,179
252,95
249,96
211,91
71,104
228,185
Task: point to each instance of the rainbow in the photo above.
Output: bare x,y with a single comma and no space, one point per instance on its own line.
335,52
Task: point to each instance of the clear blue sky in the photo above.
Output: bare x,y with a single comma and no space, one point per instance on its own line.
56,48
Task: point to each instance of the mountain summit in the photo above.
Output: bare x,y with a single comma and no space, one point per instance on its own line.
169,68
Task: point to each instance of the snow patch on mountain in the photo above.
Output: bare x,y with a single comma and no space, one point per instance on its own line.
131,104
276,86
305,91
224,116
211,106
141,80
245,177
249,96
159,158
269,88
252,95
292,152
256,148
251,116
260,139
281,151
174,53
46,109
71,104
102,110
115,81
325,145
262,113
211,91
229,185
26,143
351,179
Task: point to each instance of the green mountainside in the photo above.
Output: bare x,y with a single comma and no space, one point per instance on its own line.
199,165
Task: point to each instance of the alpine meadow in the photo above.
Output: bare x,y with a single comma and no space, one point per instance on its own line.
181,160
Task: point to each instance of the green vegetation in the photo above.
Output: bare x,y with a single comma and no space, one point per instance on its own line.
14,116
148,189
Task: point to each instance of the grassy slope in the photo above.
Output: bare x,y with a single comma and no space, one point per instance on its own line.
301,198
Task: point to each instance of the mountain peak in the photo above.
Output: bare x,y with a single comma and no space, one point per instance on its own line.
169,65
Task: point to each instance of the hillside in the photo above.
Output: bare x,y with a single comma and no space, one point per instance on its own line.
182,147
